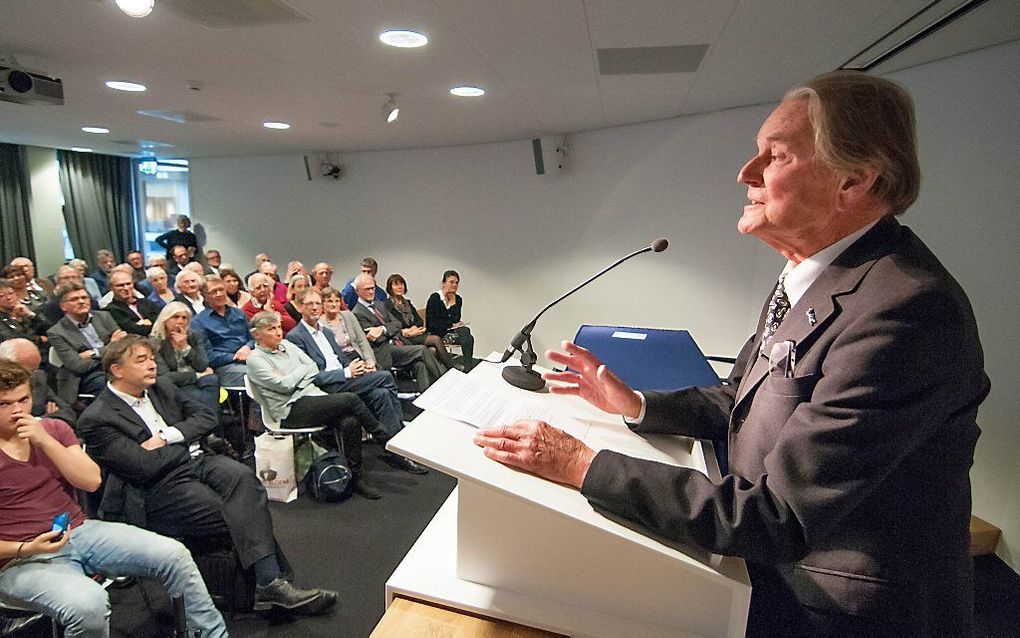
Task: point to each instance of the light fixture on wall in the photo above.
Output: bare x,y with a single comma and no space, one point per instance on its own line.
136,8
390,110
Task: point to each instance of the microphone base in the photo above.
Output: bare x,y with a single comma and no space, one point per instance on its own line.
523,378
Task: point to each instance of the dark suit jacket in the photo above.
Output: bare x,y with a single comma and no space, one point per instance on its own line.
302,338
166,361
381,347
67,342
850,481
113,435
128,320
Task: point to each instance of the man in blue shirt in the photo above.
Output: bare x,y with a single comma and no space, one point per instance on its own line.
223,330
369,266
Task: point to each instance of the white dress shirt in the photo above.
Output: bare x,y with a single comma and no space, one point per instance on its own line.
151,418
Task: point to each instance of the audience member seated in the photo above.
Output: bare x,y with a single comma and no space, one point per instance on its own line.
223,331
369,266
413,326
45,402
104,264
213,259
322,274
283,382
79,339
41,285
189,291
296,285
179,258
295,268
180,356
259,258
195,267
161,293
51,310
345,327
279,288
146,435
236,293
443,317
91,285
340,372
180,236
130,292
261,288
18,320
156,260
137,263
19,281
383,331
41,569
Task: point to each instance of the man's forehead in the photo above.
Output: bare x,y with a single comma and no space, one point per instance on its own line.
16,394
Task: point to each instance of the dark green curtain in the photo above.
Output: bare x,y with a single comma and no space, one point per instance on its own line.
15,195
98,207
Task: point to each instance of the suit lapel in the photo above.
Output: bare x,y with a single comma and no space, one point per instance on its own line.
814,310
128,414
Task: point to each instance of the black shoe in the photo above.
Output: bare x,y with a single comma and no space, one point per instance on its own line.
359,486
406,464
282,595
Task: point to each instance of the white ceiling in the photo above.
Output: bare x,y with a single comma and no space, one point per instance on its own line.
328,74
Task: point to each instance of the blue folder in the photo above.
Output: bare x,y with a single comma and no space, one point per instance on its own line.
649,358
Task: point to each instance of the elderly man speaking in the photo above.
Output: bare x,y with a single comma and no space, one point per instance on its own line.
850,412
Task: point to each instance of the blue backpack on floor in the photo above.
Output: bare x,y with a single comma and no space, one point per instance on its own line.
329,479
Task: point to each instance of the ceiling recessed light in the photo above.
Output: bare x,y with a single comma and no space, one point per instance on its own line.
81,149
122,85
390,110
403,38
280,126
136,8
95,129
468,91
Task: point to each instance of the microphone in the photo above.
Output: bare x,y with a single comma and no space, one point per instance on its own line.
523,376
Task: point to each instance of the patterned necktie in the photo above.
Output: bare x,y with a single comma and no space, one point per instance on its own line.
778,307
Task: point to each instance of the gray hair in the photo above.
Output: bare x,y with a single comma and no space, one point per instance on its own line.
182,273
363,278
256,276
171,309
263,320
154,271
206,281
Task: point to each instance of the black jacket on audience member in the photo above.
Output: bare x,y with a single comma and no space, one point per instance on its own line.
128,320
166,361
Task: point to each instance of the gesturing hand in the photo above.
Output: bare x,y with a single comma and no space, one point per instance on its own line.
593,382
539,448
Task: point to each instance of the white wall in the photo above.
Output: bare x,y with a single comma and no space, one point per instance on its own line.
46,210
520,240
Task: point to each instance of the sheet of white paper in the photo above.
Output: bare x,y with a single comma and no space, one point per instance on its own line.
457,396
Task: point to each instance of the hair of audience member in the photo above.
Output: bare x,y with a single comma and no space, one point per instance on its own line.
6,283
451,273
64,289
294,267
78,263
329,292
860,121
117,350
266,266
294,279
394,279
184,272
125,267
261,257
9,272
104,252
203,287
155,260
185,219
154,271
301,296
263,320
362,278
9,349
12,375
368,262
255,277
172,308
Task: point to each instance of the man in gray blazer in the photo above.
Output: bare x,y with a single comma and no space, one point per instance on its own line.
80,339
850,412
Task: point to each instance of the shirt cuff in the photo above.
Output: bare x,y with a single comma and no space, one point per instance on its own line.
171,434
641,415
347,373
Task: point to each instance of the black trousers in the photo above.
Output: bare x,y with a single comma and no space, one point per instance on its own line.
214,495
344,412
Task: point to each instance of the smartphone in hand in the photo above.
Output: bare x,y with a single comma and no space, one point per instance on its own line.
60,524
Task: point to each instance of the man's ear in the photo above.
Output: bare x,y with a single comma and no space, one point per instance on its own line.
855,187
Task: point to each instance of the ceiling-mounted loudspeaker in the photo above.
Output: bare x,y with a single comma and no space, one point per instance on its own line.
550,154
324,166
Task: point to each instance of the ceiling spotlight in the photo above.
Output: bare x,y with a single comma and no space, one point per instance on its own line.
467,91
121,85
280,126
136,8
390,110
95,129
403,38
81,149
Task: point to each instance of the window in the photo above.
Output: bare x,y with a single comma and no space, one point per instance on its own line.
162,188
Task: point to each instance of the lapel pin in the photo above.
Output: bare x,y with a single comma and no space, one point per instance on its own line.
811,319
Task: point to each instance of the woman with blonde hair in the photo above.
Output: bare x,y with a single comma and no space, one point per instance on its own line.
180,356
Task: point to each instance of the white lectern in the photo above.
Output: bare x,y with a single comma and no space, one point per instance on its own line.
516,547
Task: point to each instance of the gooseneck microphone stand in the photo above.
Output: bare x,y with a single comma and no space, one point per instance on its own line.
524,376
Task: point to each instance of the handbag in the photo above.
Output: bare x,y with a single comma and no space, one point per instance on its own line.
274,465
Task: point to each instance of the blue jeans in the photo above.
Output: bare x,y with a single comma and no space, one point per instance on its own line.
58,584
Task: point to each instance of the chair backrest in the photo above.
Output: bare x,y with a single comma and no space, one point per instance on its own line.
54,358
274,426
649,358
